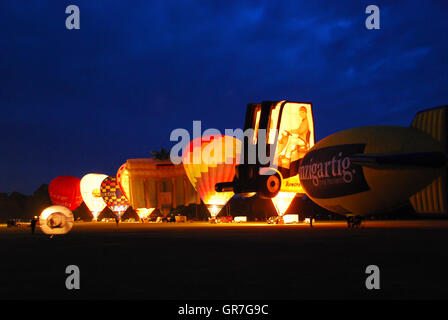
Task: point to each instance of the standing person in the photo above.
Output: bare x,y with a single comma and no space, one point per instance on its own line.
310,208
33,225
117,221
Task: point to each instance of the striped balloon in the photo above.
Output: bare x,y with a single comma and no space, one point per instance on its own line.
209,160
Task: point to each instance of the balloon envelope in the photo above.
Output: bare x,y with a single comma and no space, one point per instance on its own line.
113,196
209,160
123,180
144,213
90,191
282,201
160,184
65,191
56,220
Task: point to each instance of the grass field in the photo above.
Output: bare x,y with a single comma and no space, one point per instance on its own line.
245,261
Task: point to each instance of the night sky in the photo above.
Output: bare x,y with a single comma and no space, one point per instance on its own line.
81,101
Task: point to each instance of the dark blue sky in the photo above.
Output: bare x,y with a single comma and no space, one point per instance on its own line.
82,101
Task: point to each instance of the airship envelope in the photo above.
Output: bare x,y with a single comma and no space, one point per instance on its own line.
90,191
65,191
56,220
209,160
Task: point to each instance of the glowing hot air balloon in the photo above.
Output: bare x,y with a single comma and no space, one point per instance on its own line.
90,191
123,180
65,191
157,184
124,183
209,160
144,213
113,196
282,201
56,220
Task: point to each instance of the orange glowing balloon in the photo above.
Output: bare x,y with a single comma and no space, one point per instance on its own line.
282,201
144,213
123,180
209,160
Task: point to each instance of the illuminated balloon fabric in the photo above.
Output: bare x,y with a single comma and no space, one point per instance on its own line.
124,184
113,196
90,191
282,201
204,162
209,160
123,180
65,191
159,184
56,220
144,213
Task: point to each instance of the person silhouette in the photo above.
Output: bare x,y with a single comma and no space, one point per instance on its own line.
33,225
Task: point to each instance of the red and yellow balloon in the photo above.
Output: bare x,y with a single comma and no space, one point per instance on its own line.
209,160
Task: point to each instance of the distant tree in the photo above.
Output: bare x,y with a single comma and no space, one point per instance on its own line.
14,205
163,154
37,202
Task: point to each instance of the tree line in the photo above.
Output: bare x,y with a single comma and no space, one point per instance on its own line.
19,206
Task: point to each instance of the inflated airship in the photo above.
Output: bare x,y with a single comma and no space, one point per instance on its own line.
356,172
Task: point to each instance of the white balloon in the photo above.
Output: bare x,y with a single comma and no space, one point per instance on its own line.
56,220
91,194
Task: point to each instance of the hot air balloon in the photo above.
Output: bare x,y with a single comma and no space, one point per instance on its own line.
158,184
123,180
123,177
65,191
56,220
113,196
90,191
210,160
144,213
282,201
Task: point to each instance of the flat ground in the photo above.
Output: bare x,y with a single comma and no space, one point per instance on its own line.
246,261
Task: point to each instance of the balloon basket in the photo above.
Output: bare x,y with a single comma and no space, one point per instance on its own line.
212,220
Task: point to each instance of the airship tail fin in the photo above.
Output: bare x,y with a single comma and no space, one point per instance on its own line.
433,198
434,122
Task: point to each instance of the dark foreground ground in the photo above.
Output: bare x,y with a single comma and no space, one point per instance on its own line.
202,261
